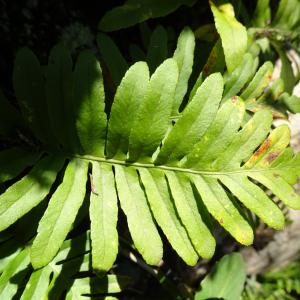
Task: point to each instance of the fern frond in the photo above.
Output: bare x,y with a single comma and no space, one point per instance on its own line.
162,172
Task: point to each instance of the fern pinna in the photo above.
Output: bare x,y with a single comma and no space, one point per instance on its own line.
176,175
68,275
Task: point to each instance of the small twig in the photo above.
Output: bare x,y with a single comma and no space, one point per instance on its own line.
279,35
92,185
130,255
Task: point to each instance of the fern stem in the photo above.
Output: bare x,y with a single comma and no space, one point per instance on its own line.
170,168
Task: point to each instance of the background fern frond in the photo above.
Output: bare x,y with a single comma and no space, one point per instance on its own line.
69,272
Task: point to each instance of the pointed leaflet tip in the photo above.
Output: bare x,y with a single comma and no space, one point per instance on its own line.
233,35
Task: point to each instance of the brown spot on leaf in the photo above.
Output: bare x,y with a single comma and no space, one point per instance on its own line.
234,99
278,115
210,64
263,148
253,109
272,156
275,175
221,221
206,69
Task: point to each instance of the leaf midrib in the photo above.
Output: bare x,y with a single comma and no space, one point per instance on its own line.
178,169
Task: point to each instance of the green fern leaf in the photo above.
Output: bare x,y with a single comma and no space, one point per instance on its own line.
37,284
139,219
9,249
291,102
158,48
59,92
27,193
64,275
287,15
89,104
286,73
184,201
244,142
262,13
233,35
30,91
165,214
215,63
112,57
257,88
184,56
154,112
110,284
222,209
264,157
60,214
254,198
259,82
15,160
163,172
132,12
104,217
240,76
195,120
218,137
17,265
128,98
